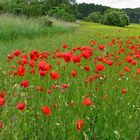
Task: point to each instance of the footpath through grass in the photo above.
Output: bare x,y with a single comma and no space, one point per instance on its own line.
72,84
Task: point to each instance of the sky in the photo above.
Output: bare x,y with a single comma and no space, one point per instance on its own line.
114,3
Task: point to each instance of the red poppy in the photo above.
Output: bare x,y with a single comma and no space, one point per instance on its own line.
16,52
65,46
101,47
2,94
87,102
24,83
43,66
42,73
64,86
71,103
67,57
54,75
46,110
127,69
79,124
87,68
21,106
138,71
1,125
129,59
49,91
100,67
34,55
2,101
76,59
21,70
134,62
74,73
109,62
32,64
124,91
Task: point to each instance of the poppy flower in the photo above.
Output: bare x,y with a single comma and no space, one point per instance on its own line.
42,65
100,67
129,59
2,94
2,101
42,73
109,62
138,71
71,103
21,106
127,69
76,59
54,75
64,86
10,56
32,64
87,102
86,54
65,46
46,110
79,124
124,91
134,62
24,84
34,55
74,73
16,52
87,68
21,70
101,47
1,124
67,57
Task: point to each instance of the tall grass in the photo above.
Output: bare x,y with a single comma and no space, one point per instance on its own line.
13,27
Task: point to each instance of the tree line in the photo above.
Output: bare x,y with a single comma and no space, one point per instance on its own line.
65,9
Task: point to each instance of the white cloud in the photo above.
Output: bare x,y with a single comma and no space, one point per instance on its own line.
115,3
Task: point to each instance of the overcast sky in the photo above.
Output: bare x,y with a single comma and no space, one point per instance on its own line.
114,3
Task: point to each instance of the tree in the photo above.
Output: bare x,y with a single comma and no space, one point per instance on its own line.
115,17
94,17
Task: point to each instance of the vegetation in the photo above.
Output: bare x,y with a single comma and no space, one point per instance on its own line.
63,80
14,27
60,13
70,8
69,84
94,17
115,17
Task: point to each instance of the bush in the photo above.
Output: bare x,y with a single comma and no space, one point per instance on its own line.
94,17
115,17
45,21
60,13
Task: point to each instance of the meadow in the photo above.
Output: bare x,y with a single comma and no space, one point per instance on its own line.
73,82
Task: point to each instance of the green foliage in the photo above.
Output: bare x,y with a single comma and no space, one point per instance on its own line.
134,14
60,13
94,17
82,10
115,17
45,21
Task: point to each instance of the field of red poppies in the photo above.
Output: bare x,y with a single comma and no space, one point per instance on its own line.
72,91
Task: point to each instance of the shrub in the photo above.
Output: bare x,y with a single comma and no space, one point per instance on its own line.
94,17
115,17
60,13
45,21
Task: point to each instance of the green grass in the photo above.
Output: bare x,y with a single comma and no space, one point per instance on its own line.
13,27
112,116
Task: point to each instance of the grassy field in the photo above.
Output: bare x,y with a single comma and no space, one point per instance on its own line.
68,82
